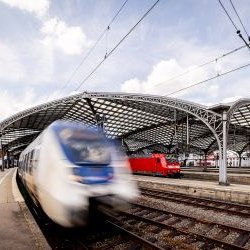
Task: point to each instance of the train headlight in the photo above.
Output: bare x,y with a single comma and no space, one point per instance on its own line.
76,175
76,178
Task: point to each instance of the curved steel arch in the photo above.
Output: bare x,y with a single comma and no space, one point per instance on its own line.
238,104
211,119
241,103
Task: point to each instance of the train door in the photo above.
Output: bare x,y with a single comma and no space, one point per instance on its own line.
25,169
157,165
30,177
20,167
154,165
36,152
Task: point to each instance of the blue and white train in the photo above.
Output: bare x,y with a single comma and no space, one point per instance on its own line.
67,165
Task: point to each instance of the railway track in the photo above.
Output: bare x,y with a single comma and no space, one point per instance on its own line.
170,230
222,206
215,233
130,240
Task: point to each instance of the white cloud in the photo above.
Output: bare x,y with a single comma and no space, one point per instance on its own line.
69,39
11,68
58,34
132,86
74,92
38,7
42,70
210,90
15,102
231,99
53,96
163,79
56,95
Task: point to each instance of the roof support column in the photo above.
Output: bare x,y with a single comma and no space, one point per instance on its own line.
205,161
240,154
187,148
2,152
223,159
187,131
3,159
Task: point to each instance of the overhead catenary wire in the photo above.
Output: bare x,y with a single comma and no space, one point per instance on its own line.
233,23
209,79
115,47
228,15
201,65
243,26
94,46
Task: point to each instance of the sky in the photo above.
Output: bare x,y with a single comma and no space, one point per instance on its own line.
43,44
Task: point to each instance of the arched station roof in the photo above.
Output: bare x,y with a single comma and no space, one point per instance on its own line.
239,126
142,122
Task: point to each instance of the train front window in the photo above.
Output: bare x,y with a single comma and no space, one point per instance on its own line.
89,151
85,147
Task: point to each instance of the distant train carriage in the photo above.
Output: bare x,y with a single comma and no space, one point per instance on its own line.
155,164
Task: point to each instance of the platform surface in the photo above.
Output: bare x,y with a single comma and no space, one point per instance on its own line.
18,229
239,178
208,189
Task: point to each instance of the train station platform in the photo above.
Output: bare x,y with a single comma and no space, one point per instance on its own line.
240,177
208,189
18,229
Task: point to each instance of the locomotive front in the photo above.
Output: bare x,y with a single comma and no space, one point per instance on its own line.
92,167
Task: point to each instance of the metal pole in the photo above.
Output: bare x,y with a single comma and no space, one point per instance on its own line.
205,162
187,132
175,135
8,159
223,161
217,160
240,160
2,167
175,127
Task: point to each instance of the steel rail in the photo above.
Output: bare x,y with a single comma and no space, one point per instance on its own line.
110,220
134,237
242,210
206,239
243,232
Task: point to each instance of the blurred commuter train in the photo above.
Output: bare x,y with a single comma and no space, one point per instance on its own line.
69,164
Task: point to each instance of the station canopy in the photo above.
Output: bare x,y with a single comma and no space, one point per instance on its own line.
143,123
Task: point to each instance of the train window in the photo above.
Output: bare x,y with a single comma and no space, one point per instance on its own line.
85,147
22,163
36,156
25,163
28,163
31,161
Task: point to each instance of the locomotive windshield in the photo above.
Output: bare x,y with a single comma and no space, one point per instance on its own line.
83,146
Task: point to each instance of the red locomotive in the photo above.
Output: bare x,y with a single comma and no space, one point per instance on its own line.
155,164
